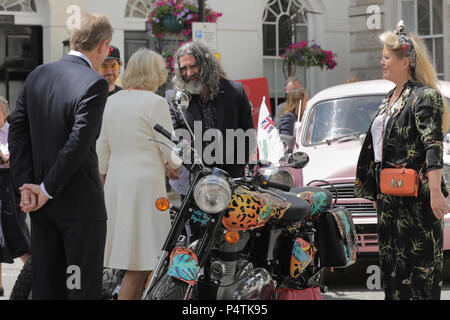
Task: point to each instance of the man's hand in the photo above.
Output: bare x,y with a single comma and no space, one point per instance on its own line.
38,194
172,173
28,200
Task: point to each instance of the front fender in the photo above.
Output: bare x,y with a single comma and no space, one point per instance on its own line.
184,265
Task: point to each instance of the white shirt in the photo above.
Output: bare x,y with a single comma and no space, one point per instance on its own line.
81,55
377,131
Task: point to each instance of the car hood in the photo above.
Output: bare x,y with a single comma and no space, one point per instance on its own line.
334,163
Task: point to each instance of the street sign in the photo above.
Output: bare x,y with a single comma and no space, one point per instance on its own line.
206,33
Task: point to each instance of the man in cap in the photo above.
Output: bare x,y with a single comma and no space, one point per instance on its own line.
110,69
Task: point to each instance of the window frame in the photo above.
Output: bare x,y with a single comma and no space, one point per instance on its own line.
432,35
275,62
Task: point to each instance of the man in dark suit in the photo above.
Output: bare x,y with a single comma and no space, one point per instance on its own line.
54,163
219,105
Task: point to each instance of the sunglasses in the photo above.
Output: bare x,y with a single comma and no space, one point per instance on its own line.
105,67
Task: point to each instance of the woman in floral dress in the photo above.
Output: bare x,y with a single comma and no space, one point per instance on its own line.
408,129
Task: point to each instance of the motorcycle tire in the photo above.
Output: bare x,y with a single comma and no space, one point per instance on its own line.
112,279
167,288
22,286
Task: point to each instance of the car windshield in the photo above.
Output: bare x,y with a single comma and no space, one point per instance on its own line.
332,119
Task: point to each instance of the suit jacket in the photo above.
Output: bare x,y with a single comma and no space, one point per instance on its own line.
53,136
233,111
286,124
413,136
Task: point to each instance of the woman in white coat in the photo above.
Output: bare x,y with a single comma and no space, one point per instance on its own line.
133,171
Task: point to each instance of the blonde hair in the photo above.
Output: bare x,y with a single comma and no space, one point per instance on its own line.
292,103
4,106
93,29
145,70
423,72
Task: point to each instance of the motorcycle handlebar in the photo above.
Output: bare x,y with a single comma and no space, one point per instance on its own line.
165,133
269,184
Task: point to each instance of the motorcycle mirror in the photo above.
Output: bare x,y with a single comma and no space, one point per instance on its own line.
181,100
298,160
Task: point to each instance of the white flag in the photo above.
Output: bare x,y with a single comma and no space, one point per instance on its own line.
270,146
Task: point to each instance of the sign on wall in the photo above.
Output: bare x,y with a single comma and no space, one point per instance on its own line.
206,33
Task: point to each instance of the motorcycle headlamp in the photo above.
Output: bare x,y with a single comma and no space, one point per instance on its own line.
212,194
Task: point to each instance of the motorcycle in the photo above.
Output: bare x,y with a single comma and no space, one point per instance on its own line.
215,264
244,226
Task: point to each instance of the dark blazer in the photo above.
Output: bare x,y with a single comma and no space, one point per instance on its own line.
53,133
233,111
286,125
413,136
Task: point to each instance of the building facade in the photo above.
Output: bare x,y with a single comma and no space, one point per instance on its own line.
251,35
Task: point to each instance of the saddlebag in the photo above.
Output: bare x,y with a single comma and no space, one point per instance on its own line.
295,294
337,239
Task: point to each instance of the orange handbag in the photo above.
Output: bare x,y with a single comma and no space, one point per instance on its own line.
399,182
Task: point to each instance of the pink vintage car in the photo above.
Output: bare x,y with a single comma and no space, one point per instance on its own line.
332,132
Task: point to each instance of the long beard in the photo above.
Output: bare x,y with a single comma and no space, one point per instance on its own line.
194,87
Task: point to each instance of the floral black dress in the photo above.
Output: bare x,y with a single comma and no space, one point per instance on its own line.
410,238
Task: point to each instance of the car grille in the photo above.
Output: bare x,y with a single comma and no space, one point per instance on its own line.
360,209
345,191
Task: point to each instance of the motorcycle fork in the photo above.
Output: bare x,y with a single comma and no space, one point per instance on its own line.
204,245
176,229
201,251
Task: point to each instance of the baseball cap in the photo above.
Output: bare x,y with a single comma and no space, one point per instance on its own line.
113,53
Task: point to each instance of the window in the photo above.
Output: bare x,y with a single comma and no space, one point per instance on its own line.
18,5
284,22
138,8
340,118
425,17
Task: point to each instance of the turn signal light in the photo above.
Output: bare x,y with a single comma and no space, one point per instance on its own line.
162,204
232,237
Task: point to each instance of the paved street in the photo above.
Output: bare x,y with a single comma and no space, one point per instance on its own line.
9,276
342,285
349,285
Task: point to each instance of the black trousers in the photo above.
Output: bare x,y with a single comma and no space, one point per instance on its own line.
67,258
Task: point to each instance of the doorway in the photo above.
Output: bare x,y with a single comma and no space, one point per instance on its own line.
20,53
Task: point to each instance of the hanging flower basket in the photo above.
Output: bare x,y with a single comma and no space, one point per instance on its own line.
171,24
306,54
176,17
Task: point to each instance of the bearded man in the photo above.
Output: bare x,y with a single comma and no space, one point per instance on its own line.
110,69
220,105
